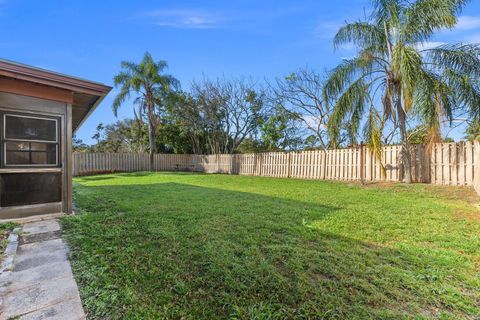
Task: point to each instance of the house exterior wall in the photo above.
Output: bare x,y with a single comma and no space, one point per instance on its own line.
29,105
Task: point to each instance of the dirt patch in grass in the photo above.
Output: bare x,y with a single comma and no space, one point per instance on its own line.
455,193
471,216
467,194
463,194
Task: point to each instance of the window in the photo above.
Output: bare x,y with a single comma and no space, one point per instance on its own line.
30,141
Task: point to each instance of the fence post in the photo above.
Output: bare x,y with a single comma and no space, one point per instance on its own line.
261,164
476,164
289,164
362,169
74,162
324,164
368,164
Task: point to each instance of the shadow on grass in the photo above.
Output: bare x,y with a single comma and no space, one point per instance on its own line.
180,251
96,178
113,175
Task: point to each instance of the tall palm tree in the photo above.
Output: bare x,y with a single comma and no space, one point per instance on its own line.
152,88
395,74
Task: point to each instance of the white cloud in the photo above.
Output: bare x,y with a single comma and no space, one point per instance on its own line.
188,19
197,18
468,23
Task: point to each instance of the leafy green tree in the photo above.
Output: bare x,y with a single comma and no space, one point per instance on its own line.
78,145
251,145
418,135
97,136
188,115
152,88
122,136
392,77
218,115
173,138
279,131
473,131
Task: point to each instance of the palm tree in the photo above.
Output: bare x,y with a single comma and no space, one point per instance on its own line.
396,75
153,89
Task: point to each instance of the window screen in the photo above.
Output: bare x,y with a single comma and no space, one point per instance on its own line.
30,153
30,141
19,189
29,128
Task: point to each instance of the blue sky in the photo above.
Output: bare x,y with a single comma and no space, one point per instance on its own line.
262,39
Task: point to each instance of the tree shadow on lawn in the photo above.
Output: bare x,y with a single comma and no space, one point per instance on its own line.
119,174
96,178
173,250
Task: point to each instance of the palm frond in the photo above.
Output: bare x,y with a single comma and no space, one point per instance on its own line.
406,64
387,12
129,66
424,17
120,99
373,131
363,34
387,102
433,99
463,58
121,78
350,103
347,72
465,90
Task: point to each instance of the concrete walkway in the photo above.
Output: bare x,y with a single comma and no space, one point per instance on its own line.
41,284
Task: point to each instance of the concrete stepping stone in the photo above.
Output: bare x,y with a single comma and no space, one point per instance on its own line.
41,227
58,312
41,285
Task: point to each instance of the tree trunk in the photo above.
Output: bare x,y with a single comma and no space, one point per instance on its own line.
151,140
402,121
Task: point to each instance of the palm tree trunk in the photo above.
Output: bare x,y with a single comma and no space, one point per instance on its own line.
402,120
151,140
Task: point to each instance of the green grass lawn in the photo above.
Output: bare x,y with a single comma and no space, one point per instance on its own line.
195,246
5,229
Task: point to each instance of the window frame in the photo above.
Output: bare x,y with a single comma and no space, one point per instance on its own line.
4,141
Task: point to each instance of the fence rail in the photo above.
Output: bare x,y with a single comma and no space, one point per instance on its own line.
445,163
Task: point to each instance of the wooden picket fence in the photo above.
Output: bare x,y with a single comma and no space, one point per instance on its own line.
445,163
